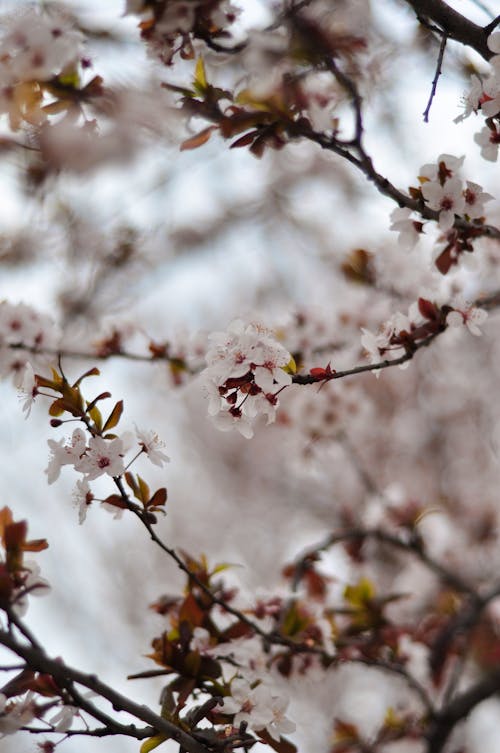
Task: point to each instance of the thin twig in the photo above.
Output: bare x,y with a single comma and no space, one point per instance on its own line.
439,66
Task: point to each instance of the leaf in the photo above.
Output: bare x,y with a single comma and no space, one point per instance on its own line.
198,139
116,501
36,545
428,309
144,492
91,372
200,76
114,416
96,416
158,499
291,366
54,108
132,484
191,612
245,140
152,742
361,594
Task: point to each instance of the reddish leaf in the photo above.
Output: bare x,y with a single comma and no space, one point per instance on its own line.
116,501
198,139
245,140
158,499
427,309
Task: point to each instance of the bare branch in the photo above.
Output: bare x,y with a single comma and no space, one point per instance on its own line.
453,24
439,64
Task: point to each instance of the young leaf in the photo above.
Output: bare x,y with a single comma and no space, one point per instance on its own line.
114,416
152,742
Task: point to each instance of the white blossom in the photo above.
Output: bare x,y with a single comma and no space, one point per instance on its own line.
447,199
151,444
475,199
15,714
470,316
472,99
403,224
65,454
102,456
244,374
430,171
489,141
82,498
37,46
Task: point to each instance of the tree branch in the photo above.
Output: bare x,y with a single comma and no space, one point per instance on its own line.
445,720
453,24
65,675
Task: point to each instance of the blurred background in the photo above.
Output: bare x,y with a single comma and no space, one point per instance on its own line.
132,233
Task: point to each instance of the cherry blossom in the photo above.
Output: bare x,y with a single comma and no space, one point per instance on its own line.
472,99
489,141
408,228
471,317
445,167
244,375
151,444
475,199
279,724
21,324
65,454
102,456
64,717
28,389
448,199
82,497
16,714
36,46
250,704
32,585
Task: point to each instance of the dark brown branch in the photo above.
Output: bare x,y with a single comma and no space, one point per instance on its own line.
444,721
139,734
453,24
397,542
311,379
65,675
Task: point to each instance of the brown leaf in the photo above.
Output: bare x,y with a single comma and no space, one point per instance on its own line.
198,139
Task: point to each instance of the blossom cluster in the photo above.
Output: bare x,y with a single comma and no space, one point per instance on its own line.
38,45
20,325
401,333
101,456
443,190
484,95
246,370
167,29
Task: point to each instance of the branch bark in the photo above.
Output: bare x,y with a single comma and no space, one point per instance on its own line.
453,24
65,675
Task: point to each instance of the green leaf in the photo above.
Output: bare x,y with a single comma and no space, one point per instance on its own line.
200,76
152,742
361,594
